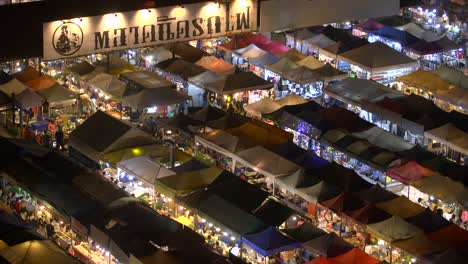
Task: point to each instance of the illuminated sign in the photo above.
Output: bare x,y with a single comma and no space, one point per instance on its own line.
147,27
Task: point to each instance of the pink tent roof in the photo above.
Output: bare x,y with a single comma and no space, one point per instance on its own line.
370,25
409,172
269,45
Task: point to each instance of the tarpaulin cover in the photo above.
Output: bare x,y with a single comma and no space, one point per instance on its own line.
368,214
329,245
273,213
409,172
157,55
154,97
354,91
267,162
293,55
310,62
419,246
238,82
376,194
452,236
393,229
354,256
252,134
428,221
444,189
377,57
282,66
81,68
41,83
402,37
183,68
343,202
453,76
450,136
305,232
184,183
57,93
423,47
36,251
401,206
186,51
270,242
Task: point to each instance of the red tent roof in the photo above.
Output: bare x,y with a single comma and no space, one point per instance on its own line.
344,201
368,214
451,235
354,256
409,172
239,41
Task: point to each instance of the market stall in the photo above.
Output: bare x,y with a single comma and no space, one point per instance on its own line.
450,141
354,256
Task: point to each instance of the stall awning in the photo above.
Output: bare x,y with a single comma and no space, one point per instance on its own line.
305,232
237,42
219,66
446,168
4,77
377,57
450,136
328,245
393,229
401,206
444,189
144,169
270,242
409,172
369,25
238,82
342,46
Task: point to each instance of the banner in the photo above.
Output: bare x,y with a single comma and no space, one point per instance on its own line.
147,27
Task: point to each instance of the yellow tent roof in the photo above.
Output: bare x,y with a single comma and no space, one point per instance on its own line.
425,80
252,134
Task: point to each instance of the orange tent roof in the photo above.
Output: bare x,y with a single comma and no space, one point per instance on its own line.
29,73
40,83
354,256
220,66
409,172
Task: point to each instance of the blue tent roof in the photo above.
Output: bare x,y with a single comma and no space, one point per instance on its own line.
269,242
403,37
306,159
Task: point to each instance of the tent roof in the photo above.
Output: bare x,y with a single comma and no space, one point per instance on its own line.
444,189
183,68
230,120
310,62
267,162
384,139
419,32
301,34
264,106
302,75
186,51
418,154
259,57
393,229
453,76
157,55
81,68
368,214
273,212
57,93
290,182
13,86
369,25
419,246
329,73
269,242
282,66
28,98
305,232
452,236
306,159
401,206
223,139
238,82
27,74
423,47
451,136
247,48
147,79
154,97
293,55
206,60
447,256
221,67
428,81
354,256
4,77
402,37
258,133
237,42
115,63
328,245
35,252
409,172
319,41
376,194
184,183
394,21
273,46
144,169
191,165
342,46
208,113
318,192
41,83
204,78
428,221
376,57
343,202
446,167
103,191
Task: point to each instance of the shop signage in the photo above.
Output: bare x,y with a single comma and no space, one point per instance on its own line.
147,27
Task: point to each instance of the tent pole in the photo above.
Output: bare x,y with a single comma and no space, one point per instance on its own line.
409,186
391,253
233,166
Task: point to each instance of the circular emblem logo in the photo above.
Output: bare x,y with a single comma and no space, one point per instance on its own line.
67,38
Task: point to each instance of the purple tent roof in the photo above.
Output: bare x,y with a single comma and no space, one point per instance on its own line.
269,242
369,25
423,47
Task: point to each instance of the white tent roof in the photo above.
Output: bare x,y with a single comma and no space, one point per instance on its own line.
419,32
220,141
108,84
451,136
13,86
289,183
444,189
301,34
310,62
241,51
156,55
384,139
319,41
266,162
204,78
144,169
453,76
282,66
291,99
263,106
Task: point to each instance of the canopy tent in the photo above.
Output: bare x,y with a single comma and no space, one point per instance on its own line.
342,46
282,66
456,96
419,246
182,68
156,55
28,98
401,206
153,151
298,35
354,91
318,192
221,141
186,51
283,114
144,169
154,97
273,212
82,68
4,77
270,242
393,229
447,168
409,172
428,221
366,215
310,62
219,66
36,251
377,57
184,183
266,162
259,133
191,165
293,55
444,189
116,65
247,48
290,182
376,194
453,76
146,79
264,106
41,83
447,256
330,73
209,113
440,45
450,136
14,86
319,41
369,25
230,120
238,41
29,73
113,135
291,99
206,77
238,82
345,201
419,32
103,191
425,80
346,179
305,232
301,75
273,46
451,236
205,61
108,84
384,139
354,256
57,93
400,36
306,159
328,245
